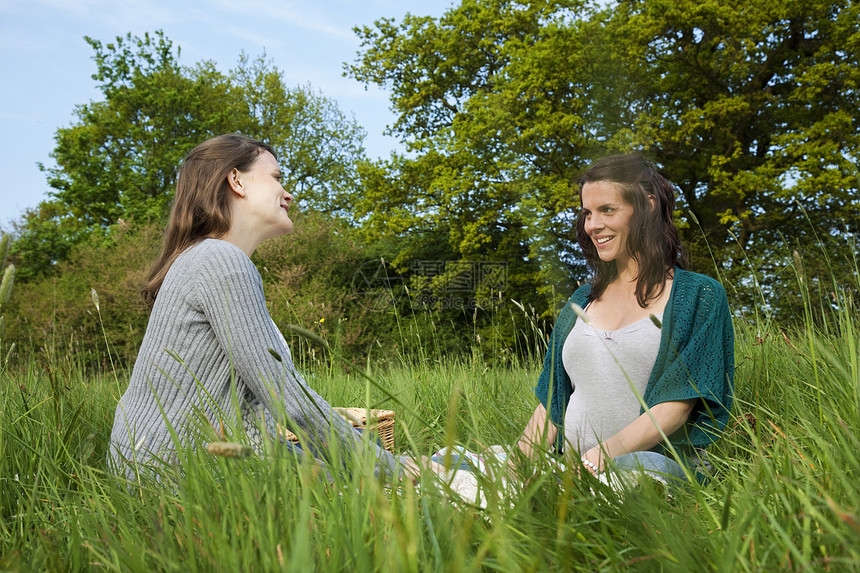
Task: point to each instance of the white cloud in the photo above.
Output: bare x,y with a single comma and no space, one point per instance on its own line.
293,13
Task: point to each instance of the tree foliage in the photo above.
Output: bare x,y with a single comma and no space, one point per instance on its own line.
118,159
318,145
753,110
750,108
495,182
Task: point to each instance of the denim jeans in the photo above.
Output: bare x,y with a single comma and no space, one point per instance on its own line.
653,464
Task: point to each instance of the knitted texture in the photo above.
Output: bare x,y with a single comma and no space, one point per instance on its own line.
695,360
212,351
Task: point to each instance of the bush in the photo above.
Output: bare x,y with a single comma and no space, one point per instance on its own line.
58,314
321,278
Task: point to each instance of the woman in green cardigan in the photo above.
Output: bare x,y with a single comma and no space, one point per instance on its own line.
644,331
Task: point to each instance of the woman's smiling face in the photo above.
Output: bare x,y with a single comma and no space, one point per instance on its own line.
265,200
607,220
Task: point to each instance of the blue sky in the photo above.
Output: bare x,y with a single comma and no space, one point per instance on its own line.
45,64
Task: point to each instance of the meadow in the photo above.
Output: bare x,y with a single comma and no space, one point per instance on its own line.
785,493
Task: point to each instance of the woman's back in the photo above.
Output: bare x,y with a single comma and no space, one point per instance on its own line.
183,365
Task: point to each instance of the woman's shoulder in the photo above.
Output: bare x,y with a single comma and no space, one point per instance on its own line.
216,253
695,290
580,295
210,263
697,281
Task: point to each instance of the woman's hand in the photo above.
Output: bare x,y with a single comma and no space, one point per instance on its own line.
412,467
592,460
411,470
539,432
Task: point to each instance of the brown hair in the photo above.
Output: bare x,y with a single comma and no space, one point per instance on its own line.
201,207
653,241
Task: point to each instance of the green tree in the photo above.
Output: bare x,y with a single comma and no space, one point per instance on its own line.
318,145
482,174
750,108
58,313
753,110
118,160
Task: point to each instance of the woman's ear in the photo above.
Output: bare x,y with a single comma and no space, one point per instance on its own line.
653,200
235,184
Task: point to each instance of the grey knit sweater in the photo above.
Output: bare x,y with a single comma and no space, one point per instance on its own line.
210,332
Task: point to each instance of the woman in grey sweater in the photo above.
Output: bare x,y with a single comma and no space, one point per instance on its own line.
211,352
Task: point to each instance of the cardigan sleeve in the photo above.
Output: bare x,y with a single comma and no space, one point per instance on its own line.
553,388
697,360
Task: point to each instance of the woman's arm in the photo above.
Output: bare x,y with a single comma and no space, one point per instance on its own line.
233,300
697,360
641,434
538,434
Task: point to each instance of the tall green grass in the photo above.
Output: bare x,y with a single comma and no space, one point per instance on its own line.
785,496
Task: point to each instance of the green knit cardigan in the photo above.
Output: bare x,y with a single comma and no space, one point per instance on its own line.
695,359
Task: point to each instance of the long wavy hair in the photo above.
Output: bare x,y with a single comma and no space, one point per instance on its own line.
201,208
653,240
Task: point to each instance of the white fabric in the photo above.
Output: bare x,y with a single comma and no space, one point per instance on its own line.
469,485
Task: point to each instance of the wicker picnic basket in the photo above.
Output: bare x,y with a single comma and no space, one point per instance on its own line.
381,422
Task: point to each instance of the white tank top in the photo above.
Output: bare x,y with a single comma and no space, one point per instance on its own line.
604,369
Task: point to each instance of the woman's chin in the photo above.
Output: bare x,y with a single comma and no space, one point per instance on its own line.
286,228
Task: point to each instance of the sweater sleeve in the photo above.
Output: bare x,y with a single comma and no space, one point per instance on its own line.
230,295
697,360
553,388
